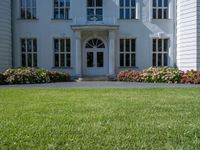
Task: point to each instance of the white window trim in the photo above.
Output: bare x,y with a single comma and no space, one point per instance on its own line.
137,13
65,7
159,7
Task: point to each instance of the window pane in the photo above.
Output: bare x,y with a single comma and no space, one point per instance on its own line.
66,13
99,59
127,45
90,59
160,3
62,3
159,60
165,59
68,45
154,3
127,13
22,3
56,13
154,13
56,60
28,3
28,13
99,3
23,45
121,13
23,13
165,13
56,45
62,13
29,45
90,3
35,60
127,60
165,3
121,45
133,3
154,45
133,45
67,2
154,60
34,3
23,60
29,60
121,3
121,60
165,45
133,14
62,45
34,13
99,14
34,45
159,45
62,60
159,13
133,60
68,60
127,3
55,3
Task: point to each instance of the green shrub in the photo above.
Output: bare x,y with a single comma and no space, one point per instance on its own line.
2,79
129,75
191,77
59,77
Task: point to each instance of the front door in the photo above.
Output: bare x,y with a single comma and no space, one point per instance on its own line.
95,58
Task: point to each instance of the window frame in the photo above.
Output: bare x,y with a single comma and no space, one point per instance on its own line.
162,8
66,14
130,53
25,7
162,52
95,8
32,52
65,53
130,8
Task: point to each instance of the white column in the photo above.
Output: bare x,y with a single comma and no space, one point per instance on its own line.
78,54
137,9
111,53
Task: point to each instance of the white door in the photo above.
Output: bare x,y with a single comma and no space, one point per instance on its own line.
95,58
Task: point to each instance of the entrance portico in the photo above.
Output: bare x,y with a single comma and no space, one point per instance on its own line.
96,55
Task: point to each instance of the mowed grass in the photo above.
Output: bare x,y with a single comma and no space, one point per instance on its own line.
93,119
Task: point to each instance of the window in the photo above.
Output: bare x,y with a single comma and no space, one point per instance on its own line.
127,9
127,52
160,52
28,9
94,10
29,52
160,9
61,9
62,53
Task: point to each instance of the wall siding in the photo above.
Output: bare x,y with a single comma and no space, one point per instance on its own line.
187,34
198,35
5,35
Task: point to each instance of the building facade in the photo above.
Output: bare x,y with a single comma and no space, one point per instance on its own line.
102,37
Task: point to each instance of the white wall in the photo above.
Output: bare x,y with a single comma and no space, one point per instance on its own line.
5,35
198,35
45,29
187,34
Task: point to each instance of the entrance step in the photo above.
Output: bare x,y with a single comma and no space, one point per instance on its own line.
94,78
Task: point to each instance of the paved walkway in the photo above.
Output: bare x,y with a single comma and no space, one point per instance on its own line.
99,84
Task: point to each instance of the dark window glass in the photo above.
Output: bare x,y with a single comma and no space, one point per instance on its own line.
90,59
34,60
121,3
56,45
34,45
133,13
154,13
99,3
165,3
159,45
62,60
28,3
62,45
56,13
62,13
165,13
55,3
154,45
33,3
67,3
29,45
159,60
165,59
127,45
62,3
56,60
68,45
154,60
127,13
100,59
121,13
154,3
132,60
159,13
166,45
133,3
68,59
127,60
127,3
90,3
30,60
133,45
121,45
23,60
23,45
121,60
160,3
23,3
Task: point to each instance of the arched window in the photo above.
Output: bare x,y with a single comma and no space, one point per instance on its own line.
95,43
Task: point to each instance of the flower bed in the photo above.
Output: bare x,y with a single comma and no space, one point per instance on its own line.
160,75
32,76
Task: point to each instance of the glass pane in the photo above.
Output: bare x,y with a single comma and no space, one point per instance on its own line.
133,60
154,45
62,45
165,13
56,13
56,45
90,3
34,13
28,11
68,60
133,3
154,13
62,13
127,60
23,45
127,3
95,42
56,60
133,45
29,60
35,60
99,14
23,60
160,3
62,3
101,46
133,14
159,60
121,3
68,45
154,60
29,45
121,13
127,45
67,2
90,14
154,3
99,59
34,45
22,3
34,3
165,3
55,3
66,13
23,13
160,45
165,59
28,3
90,59
159,13
99,3
62,60
121,60
165,45
128,13
121,45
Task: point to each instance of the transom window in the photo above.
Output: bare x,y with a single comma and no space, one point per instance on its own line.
61,9
95,43
127,9
160,9
28,9
127,52
160,52
62,53
29,52
94,10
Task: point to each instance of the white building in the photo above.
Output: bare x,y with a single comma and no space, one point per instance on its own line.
99,37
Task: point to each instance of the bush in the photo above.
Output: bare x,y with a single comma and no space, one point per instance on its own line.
191,77
2,79
128,75
32,76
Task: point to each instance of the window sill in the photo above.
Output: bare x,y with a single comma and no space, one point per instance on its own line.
20,19
62,68
128,68
128,19
53,19
161,19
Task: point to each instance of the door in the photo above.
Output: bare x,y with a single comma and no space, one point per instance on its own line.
95,58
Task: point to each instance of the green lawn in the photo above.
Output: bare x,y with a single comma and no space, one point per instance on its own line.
100,119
